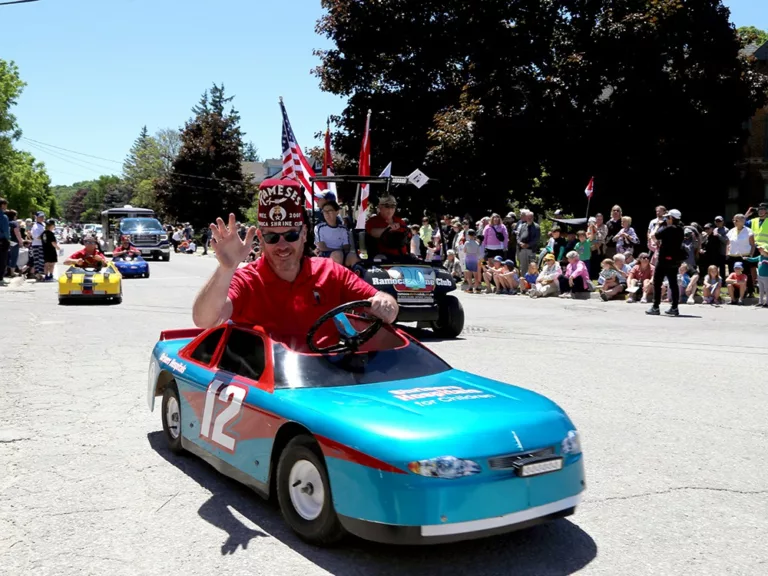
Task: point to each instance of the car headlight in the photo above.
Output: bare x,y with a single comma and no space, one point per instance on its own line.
444,467
163,236
572,443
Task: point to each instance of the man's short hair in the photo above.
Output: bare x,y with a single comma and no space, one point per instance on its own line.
3,201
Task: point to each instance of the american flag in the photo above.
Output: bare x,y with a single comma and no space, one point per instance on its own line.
295,165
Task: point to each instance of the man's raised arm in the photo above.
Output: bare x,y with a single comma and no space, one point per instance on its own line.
212,305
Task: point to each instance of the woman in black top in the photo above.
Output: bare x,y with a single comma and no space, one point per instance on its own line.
50,250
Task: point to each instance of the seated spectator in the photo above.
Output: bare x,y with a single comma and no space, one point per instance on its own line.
453,266
737,284
640,279
529,280
576,277
609,281
629,260
688,284
626,239
507,279
712,286
546,283
332,238
191,248
621,265
490,272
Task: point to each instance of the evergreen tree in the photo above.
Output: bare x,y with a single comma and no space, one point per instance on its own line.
251,153
206,179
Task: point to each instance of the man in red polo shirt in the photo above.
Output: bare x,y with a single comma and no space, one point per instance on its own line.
126,248
389,230
284,291
89,255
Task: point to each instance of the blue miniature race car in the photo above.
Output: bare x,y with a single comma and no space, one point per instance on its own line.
133,266
372,435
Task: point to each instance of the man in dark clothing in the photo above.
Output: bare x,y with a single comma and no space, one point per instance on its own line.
528,238
5,240
670,236
511,223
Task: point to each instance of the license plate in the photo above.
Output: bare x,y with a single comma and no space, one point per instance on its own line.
415,298
540,467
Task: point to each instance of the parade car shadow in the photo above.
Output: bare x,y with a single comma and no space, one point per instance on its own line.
554,549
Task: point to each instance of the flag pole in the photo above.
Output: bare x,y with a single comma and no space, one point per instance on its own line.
588,201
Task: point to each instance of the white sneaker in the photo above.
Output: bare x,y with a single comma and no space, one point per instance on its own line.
643,300
630,300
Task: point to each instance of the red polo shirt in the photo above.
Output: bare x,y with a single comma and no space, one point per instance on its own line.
376,222
89,260
259,297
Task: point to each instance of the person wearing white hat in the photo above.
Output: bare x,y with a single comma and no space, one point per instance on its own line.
670,237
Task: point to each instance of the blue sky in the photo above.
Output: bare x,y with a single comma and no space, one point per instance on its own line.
98,70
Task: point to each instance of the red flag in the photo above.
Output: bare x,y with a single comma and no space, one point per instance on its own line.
590,189
365,170
328,160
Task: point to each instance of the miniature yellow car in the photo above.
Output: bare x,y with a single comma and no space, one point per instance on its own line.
89,283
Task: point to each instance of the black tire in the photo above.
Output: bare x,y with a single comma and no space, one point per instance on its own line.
324,530
167,257
119,298
147,274
174,444
451,318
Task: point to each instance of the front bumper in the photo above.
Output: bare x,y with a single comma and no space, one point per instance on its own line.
444,533
93,296
410,313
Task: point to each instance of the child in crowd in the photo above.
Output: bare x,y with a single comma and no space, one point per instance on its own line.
416,242
712,285
737,284
507,278
584,248
762,274
609,281
626,239
529,280
683,281
50,250
430,251
472,271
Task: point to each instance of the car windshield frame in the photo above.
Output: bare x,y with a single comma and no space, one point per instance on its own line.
296,369
138,228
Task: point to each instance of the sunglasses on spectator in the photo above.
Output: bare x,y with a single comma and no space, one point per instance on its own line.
274,237
328,210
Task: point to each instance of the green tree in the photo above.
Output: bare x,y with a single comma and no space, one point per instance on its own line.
649,96
251,153
76,206
752,35
25,183
11,87
206,178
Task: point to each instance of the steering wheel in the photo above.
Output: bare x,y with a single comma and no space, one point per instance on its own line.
349,338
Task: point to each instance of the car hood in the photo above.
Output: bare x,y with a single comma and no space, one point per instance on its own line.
453,413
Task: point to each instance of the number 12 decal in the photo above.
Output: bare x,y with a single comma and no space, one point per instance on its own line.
230,394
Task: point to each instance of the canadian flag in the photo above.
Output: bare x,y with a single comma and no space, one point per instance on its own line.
590,189
365,170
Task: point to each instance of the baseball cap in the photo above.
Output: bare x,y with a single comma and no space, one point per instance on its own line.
499,259
509,264
763,206
327,195
388,201
674,213
511,215
40,214
738,265
719,219
549,257
280,204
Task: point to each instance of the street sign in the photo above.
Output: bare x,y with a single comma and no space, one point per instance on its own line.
418,178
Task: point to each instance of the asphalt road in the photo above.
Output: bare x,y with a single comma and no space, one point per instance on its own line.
672,414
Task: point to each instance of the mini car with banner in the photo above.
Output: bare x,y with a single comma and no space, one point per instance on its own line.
365,431
422,293
131,266
91,283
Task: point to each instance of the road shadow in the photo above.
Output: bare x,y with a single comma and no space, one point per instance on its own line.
425,334
554,549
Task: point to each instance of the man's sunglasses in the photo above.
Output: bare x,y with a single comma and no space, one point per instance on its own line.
274,237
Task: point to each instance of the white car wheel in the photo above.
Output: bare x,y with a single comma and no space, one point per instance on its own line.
306,489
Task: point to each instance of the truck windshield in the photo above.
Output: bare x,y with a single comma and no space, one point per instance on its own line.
139,225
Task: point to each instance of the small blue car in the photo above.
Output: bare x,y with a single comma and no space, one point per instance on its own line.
133,266
374,435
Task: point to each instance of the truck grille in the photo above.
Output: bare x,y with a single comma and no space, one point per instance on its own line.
145,239
508,461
